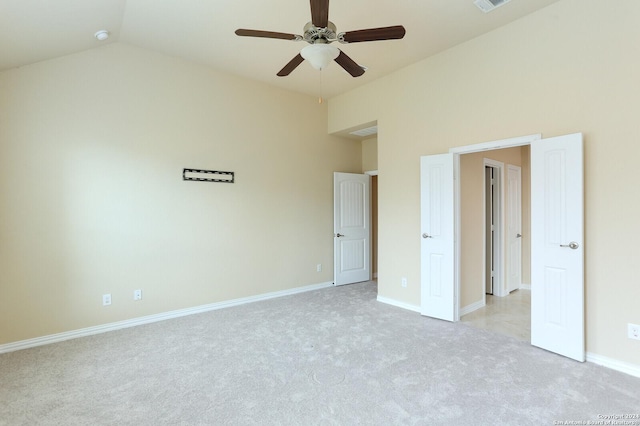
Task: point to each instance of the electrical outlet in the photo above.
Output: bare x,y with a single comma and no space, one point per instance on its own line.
319,267
106,299
634,331
404,282
137,294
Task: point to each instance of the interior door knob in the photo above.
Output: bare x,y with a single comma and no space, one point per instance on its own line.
518,235
572,245
339,235
425,235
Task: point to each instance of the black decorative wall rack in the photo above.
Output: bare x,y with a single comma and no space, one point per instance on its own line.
198,175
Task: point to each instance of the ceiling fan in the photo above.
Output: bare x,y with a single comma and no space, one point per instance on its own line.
319,33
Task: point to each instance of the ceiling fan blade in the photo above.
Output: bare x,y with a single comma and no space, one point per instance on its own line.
349,65
292,65
266,34
320,13
374,34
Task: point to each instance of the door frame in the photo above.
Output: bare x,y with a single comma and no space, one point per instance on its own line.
374,224
498,247
467,149
508,215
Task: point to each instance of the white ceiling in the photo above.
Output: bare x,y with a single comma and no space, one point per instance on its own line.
203,31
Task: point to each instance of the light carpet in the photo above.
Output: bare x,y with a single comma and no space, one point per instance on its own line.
329,357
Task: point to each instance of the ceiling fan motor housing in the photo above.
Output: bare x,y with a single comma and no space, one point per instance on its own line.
313,34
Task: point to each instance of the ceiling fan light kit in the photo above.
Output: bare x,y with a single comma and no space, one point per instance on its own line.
319,33
319,55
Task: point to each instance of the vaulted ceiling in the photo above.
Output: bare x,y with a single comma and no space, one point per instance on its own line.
203,31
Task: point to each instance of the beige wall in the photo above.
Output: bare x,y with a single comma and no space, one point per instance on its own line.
370,154
472,204
92,148
571,67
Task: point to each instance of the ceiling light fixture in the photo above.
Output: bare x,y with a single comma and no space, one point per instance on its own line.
319,55
102,35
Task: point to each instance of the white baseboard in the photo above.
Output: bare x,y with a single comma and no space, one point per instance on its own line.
525,286
614,364
74,334
402,305
624,367
472,307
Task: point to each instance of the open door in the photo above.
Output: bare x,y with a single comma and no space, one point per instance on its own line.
352,228
557,240
437,239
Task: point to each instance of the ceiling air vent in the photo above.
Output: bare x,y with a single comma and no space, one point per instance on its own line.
365,132
488,5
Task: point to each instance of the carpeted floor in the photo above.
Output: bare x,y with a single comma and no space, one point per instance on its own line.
329,357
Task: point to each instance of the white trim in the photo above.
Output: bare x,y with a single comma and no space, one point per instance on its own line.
83,332
371,173
457,248
499,144
472,307
524,286
398,304
614,364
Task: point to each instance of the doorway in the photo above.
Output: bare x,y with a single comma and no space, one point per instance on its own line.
489,229
352,228
485,208
355,227
489,263
374,223
557,232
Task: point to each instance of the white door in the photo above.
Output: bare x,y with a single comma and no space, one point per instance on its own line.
557,252
437,240
514,228
352,228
